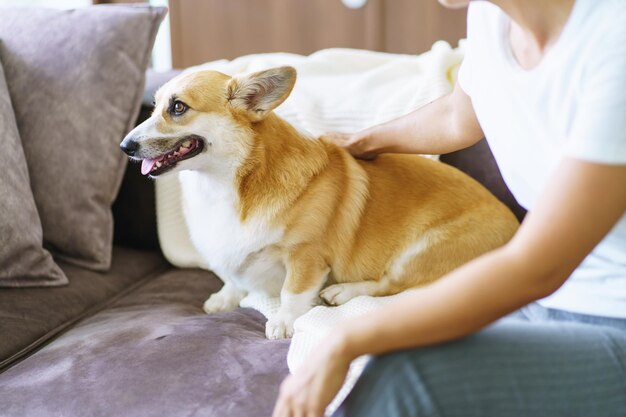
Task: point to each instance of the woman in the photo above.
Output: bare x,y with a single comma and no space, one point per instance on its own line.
545,82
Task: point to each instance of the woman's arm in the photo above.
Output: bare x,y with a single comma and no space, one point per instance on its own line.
445,125
576,210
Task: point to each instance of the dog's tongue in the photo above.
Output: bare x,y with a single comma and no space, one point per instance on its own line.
147,165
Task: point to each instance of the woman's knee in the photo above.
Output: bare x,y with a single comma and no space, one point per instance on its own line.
391,385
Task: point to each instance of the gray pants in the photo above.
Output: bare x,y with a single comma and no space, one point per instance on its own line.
536,362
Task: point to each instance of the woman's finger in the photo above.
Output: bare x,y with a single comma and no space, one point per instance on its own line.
314,412
281,409
298,411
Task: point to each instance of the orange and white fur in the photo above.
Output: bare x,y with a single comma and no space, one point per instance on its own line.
275,210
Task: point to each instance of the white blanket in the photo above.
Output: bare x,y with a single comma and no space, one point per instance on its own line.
337,90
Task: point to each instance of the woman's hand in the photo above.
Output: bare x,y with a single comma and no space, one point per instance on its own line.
445,125
308,391
355,143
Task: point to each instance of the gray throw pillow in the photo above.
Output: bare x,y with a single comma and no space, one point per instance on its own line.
76,81
23,260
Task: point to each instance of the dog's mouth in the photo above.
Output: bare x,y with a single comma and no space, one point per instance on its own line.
187,148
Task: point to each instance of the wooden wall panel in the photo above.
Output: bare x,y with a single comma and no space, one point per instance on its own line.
305,26
412,26
117,1
204,30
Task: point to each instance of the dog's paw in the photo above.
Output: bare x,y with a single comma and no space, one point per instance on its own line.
338,294
279,327
220,302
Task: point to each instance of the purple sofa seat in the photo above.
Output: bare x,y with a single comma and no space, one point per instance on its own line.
153,353
30,317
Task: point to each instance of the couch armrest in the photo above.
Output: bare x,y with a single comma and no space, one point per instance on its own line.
134,210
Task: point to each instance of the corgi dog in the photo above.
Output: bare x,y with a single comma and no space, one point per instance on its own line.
272,209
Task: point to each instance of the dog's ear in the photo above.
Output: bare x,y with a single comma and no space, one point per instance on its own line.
261,92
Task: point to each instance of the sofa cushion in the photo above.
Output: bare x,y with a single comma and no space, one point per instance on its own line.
154,353
76,81
23,260
30,317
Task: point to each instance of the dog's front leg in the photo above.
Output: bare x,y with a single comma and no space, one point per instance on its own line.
227,298
306,274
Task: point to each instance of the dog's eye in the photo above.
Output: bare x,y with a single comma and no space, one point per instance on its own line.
179,108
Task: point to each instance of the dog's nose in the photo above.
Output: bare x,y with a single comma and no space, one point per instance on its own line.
129,146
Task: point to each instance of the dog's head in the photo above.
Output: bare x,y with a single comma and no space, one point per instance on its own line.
204,120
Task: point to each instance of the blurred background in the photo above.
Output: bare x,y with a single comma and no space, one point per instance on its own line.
198,31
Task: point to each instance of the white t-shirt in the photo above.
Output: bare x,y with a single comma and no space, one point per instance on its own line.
573,104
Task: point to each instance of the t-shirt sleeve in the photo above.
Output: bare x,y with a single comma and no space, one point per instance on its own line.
464,78
598,133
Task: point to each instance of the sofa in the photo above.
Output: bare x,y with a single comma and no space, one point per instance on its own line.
131,339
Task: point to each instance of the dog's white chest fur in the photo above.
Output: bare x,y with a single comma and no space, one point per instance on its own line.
242,254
